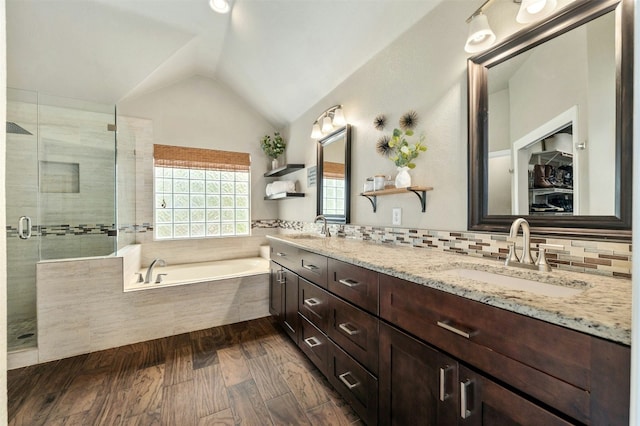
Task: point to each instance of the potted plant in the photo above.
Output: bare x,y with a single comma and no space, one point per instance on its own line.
399,149
273,147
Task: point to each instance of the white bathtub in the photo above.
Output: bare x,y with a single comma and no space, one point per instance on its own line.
192,273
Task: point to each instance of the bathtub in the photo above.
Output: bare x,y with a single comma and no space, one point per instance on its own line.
193,273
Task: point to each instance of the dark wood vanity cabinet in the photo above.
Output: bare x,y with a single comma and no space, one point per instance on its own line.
402,353
483,402
418,384
283,299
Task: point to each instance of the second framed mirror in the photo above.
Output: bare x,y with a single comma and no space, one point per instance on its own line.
334,176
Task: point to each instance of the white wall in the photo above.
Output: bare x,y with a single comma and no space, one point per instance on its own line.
3,245
197,112
424,70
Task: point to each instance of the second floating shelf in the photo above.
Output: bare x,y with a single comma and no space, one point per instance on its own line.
420,191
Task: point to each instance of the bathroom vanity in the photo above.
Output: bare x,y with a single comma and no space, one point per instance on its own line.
404,336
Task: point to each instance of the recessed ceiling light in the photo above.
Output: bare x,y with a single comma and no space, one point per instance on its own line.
220,6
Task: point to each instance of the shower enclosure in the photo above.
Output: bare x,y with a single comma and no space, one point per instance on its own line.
61,194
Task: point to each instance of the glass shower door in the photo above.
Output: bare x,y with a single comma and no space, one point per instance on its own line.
23,242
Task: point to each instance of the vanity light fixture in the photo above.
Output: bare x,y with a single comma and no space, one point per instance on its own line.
327,121
220,6
532,10
481,37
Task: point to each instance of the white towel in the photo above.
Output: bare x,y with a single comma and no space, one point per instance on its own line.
280,186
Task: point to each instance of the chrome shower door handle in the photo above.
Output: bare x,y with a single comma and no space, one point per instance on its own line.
24,227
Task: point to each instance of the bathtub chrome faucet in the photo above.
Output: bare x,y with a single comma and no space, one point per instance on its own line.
325,229
149,276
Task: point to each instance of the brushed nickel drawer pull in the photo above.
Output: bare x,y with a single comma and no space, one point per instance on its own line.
443,382
343,378
312,342
349,329
349,282
312,302
447,326
464,409
310,267
281,254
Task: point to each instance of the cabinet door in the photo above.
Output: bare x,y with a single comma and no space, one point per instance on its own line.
418,384
275,290
484,402
290,320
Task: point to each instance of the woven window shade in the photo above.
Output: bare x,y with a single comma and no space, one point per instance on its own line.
333,170
198,158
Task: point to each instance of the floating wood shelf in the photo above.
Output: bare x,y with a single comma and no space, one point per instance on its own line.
284,170
281,171
283,195
420,191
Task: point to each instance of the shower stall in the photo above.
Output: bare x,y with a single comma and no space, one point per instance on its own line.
61,193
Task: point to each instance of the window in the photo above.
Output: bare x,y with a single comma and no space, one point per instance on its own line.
201,193
333,187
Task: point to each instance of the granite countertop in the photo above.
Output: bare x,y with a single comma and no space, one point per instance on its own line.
602,308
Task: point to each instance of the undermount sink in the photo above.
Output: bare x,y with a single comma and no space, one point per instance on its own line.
514,283
304,236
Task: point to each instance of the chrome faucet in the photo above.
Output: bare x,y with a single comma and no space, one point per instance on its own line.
149,276
526,261
526,243
325,229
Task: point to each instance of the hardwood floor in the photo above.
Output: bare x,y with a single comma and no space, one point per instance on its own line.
248,373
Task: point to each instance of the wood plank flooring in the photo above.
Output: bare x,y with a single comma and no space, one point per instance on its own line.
248,373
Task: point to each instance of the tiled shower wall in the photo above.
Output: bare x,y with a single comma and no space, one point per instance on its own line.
62,177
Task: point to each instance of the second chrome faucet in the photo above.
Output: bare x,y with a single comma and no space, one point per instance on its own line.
526,260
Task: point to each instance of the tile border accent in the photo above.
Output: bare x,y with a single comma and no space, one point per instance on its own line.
598,257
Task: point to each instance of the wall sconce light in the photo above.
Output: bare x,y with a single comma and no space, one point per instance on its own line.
328,121
481,37
220,6
532,10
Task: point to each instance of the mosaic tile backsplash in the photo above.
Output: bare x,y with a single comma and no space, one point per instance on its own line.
594,257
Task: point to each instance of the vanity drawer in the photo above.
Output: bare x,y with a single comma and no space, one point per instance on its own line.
285,255
354,383
355,284
314,344
356,331
549,362
313,267
313,303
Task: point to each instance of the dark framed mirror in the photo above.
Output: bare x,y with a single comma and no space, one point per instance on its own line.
334,176
550,125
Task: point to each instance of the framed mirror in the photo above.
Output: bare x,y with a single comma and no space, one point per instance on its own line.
550,125
334,176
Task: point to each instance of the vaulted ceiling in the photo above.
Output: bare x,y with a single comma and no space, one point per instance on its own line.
281,56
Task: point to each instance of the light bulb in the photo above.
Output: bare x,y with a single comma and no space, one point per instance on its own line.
534,10
316,133
338,118
536,7
220,6
481,36
326,124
